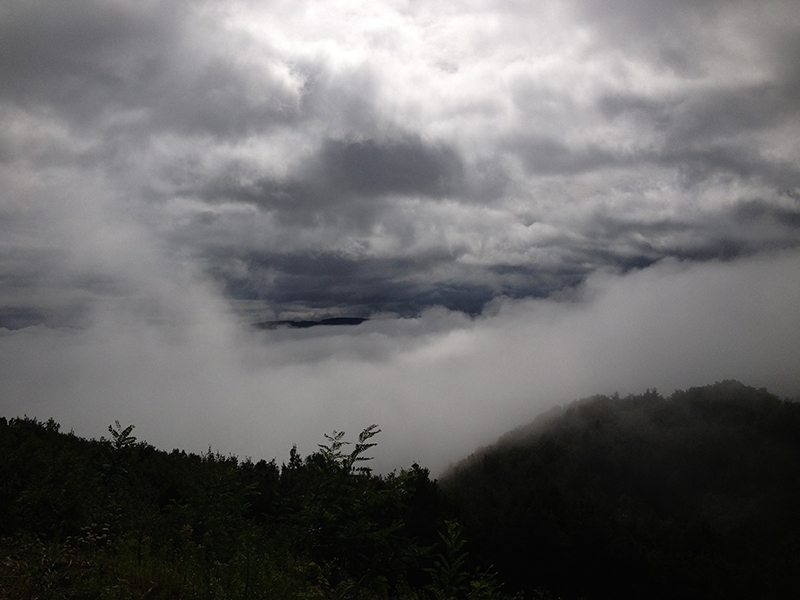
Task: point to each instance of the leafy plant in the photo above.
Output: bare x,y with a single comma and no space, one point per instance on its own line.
121,438
332,451
450,578
118,518
448,574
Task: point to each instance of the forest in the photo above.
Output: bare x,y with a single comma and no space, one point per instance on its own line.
695,496
692,496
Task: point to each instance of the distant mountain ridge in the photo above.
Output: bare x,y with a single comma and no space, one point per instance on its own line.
306,323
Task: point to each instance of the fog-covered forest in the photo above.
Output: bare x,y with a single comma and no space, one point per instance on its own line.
690,496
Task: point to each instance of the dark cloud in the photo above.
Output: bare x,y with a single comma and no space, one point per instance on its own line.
314,284
154,64
82,56
740,230
219,101
758,210
13,317
368,168
547,156
346,184
319,283
405,166
721,114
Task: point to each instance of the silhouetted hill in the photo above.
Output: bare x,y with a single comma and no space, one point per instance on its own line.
121,519
305,324
692,496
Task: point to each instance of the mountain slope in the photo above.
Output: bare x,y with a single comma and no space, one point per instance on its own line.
692,496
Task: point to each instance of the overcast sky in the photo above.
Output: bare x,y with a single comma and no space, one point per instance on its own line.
532,201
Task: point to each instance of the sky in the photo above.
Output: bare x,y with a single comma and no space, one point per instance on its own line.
531,202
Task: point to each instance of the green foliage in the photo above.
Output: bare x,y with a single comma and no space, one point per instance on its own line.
448,574
120,519
693,496
450,577
332,451
121,438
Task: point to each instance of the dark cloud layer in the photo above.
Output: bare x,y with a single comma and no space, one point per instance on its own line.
439,385
655,135
397,167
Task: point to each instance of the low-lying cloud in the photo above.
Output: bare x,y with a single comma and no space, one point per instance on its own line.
439,385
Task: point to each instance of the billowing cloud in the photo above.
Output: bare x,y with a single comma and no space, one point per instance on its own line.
165,164
439,385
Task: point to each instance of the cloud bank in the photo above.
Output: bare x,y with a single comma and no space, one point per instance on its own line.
568,197
440,385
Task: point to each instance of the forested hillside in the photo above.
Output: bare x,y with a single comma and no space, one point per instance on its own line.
692,496
118,518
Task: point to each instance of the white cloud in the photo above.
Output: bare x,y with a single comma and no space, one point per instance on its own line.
438,385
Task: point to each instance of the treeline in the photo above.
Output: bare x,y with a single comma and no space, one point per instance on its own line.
692,496
118,518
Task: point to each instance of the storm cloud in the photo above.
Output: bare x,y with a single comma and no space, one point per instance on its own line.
173,172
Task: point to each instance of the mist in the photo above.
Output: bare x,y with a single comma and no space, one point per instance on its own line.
439,385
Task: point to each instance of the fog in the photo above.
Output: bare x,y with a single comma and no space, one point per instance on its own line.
439,385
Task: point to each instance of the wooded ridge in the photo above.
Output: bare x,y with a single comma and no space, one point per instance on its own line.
692,496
